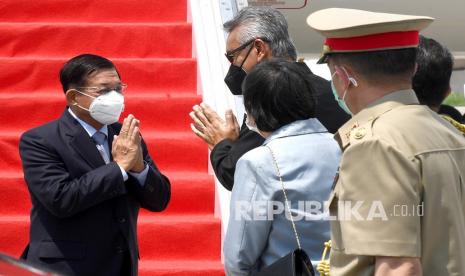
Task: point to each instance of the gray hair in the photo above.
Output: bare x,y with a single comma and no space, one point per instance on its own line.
266,23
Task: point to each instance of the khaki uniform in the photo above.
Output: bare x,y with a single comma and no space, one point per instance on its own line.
402,159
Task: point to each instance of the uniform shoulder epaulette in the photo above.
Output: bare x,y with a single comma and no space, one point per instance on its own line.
361,133
460,127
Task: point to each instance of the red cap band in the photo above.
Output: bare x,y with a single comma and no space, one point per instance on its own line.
381,41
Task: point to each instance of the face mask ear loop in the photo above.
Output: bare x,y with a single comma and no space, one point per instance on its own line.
82,93
345,92
351,79
76,104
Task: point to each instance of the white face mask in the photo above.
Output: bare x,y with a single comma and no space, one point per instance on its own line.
251,125
106,108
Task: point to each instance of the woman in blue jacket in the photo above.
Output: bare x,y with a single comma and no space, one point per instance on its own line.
280,103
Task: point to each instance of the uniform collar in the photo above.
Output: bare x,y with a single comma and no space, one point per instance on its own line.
299,127
373,111
88,128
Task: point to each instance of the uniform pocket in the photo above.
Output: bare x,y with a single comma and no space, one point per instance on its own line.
62,250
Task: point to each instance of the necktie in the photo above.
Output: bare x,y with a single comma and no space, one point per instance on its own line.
100,139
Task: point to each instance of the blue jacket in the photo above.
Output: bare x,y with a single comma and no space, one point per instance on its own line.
308,158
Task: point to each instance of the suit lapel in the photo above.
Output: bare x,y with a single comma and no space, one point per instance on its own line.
80,141
85,147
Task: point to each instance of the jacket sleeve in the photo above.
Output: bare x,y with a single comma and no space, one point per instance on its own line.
225,155
155,194
50,183
249,226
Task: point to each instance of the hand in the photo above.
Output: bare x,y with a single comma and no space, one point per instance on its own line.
126,146
211,128
140,165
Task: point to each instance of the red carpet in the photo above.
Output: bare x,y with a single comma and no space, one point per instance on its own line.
150,43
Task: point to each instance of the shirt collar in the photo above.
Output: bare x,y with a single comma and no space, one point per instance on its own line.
88,128
299,127
373,111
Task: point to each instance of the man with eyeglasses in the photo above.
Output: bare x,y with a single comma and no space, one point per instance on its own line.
88,176
255,34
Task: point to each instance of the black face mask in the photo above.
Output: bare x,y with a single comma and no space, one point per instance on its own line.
236,76
234,79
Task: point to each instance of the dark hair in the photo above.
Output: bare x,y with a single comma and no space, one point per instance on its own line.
75,71
267,23
278,92
375,66
432,79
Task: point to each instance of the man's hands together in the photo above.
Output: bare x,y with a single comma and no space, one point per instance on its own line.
126,147
211,128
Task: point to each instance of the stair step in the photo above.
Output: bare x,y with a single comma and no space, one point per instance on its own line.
14,198
172,151
186,267
144,76
164,238
107,39
93,11
156,112
171,237
146,39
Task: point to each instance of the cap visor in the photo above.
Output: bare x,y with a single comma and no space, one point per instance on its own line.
322,60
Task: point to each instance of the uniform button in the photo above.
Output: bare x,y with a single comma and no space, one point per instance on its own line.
360,133
119,249
121,220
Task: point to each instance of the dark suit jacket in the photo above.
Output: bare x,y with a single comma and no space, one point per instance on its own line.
84,216
225,154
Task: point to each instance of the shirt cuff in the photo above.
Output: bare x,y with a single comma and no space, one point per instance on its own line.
142,176
123,172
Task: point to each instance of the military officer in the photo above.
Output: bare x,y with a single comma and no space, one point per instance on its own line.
398,203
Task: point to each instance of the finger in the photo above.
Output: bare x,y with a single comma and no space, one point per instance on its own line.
199,113
197,122
137,122
132,128
126,124
113,144
209,113
229,115
236,123
135,134
138,136
138,127
198,133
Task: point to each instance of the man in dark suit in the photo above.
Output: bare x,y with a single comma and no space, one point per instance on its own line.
87,176
255,34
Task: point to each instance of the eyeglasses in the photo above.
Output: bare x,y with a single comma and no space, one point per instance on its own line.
230,54
103,90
